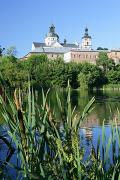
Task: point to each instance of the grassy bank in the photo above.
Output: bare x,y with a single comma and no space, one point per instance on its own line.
111,87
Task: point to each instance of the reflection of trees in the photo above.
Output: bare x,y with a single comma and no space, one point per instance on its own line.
105,106
83,99
52,101
74,98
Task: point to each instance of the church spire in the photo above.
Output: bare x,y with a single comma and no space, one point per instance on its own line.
86,35
52,29
86,31
86,40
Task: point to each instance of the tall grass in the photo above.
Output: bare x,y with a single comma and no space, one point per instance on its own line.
50,148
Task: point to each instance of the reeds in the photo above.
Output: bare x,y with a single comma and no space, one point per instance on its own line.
50,148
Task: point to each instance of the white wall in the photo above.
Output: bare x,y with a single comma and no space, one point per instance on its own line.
67,57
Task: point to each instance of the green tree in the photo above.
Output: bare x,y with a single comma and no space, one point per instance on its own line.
1,50
100,48
105,62
11,51
113,77
58,73
84,80
35,66
8,70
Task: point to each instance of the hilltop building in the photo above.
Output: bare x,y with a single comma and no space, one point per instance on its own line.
77,52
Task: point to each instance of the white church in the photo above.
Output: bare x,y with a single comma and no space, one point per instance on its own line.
77,52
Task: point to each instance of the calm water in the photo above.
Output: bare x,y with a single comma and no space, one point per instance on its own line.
106,108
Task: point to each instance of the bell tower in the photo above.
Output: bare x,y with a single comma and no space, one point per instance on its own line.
86,41
52,37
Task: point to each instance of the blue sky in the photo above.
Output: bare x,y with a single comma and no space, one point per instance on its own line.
25,21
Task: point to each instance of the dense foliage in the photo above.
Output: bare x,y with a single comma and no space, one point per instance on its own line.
46,73
105,62
1,50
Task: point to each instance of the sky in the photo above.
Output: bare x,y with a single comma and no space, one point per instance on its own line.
25,21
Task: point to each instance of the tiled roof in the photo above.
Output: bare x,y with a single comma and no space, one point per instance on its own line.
70,45
37,44
61,50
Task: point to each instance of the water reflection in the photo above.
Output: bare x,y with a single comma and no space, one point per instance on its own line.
106,105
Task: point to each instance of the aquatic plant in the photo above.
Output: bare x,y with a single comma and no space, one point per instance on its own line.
50,148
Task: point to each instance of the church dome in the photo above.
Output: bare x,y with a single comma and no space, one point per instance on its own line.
52,35
86,35
52,32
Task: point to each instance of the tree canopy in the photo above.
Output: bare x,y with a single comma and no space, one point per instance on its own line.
46,73
1,50
105,62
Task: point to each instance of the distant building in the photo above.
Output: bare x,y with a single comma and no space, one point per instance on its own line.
77,52
86,41
81,55
51,46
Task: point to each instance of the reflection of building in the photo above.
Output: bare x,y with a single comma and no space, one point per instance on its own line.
90,121
77,52
87,133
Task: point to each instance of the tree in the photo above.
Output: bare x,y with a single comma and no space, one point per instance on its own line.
84,80
100,48
37,58
1,50
110,64
113,77
11,51
105,62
